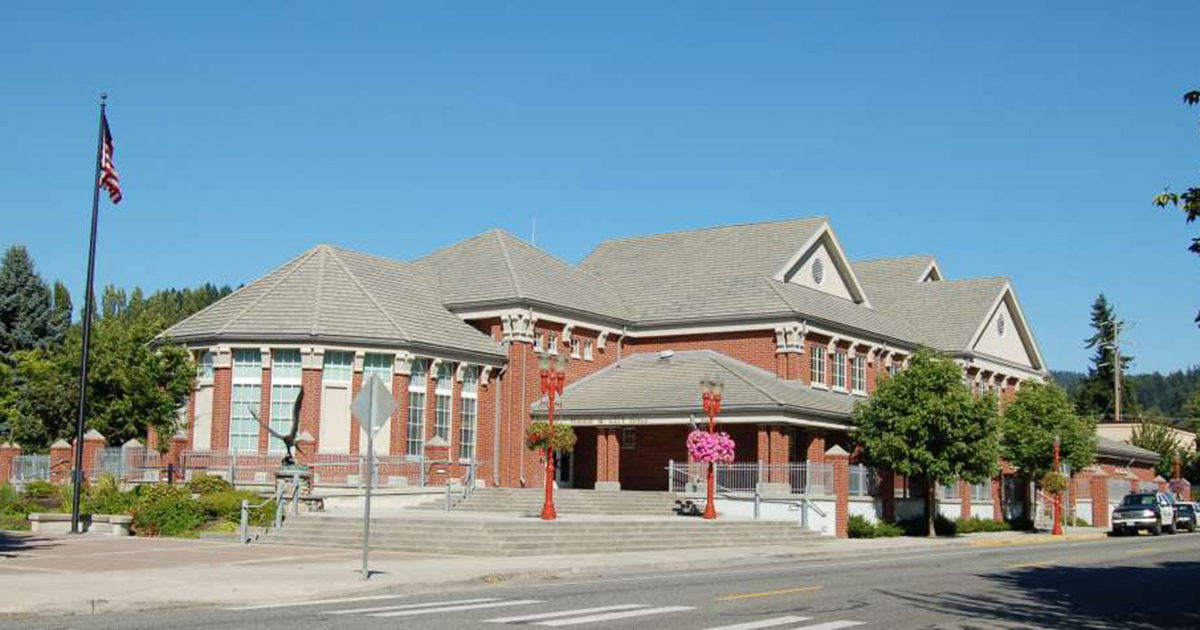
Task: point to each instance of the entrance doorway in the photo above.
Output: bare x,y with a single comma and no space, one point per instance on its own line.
564,470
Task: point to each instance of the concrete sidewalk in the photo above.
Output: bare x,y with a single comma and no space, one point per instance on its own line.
63,575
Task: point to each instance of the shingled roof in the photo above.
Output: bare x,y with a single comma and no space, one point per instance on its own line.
668,383
336,295
1120,450
496,267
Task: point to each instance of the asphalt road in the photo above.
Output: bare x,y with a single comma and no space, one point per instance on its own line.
1138,582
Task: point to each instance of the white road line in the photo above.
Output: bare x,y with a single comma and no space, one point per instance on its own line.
425,611
642,612
568,613
356,611
318,602
830,625
763,623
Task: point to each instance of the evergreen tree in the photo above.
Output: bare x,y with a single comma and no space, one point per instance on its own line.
60,318
25,304
1095,397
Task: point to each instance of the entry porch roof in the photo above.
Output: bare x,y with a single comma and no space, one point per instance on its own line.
667,384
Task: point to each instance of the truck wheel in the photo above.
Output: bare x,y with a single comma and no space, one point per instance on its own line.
1171,529
1157,529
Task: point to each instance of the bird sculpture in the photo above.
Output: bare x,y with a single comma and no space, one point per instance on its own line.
289,440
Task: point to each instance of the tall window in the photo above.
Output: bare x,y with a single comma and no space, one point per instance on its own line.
575,345
285,388
418,377
839,370
247,399
858,373
443,401
587,349
891,368
469,413
552,343
204,367
338,367
538,341
378,365
816,365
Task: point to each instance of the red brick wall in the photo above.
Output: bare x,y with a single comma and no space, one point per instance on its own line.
310,407
753,347
642,467
589,456
356,383
264,410
222,391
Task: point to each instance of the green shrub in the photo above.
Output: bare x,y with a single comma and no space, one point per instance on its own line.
39,489
105,497
158,491
228,505
973,525
918,527
208,484
14,509
860,527
167,514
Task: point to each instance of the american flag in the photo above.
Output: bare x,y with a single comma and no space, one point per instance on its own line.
109,180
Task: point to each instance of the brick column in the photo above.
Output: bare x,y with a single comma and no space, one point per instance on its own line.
887,493
60,462
1099,499
780,447
175,449
816,448
964,498
614,458
306,447
93,445
998,498
221,406
8,456
264,405
841,488
310,407
601,455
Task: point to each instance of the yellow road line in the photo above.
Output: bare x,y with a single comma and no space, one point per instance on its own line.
802,589
1134,552
1023,565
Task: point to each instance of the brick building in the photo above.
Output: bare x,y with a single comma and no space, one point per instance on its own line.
797,331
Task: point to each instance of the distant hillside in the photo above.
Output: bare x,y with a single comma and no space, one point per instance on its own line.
1167,393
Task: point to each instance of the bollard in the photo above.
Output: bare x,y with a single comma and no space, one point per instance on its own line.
245,524
804,513
757,502
447,496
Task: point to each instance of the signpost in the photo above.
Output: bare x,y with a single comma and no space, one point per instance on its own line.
372,407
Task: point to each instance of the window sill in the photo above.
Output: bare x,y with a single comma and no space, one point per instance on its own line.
840,390
859,392
820,386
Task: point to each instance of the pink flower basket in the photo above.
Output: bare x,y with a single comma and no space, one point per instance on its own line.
705,447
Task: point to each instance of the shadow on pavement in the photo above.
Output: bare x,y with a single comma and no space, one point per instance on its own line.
1159,596
12,543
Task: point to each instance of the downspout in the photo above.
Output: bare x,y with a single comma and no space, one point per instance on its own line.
498,398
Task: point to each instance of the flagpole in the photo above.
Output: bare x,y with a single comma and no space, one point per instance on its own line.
87,329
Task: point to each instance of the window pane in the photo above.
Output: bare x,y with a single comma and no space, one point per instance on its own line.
247,364
418,374
338,367
378,365
205,367
243,428
466,439
470,382
283,400
416,424
285,364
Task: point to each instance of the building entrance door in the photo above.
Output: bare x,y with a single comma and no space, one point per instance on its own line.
564,469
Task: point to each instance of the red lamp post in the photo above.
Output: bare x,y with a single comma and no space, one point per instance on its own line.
553,377
1058,530
711,390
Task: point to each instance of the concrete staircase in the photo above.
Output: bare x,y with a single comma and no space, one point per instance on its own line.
528,502
461,535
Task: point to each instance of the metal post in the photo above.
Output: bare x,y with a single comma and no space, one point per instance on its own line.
804,513
233,469
245,524
447,508
670,475
422,465
757,502
366,574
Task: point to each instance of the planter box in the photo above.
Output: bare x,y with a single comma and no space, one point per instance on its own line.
104,524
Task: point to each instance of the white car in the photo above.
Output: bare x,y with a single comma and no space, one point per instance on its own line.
1151,511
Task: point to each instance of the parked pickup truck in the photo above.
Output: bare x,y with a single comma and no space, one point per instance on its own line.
1151,511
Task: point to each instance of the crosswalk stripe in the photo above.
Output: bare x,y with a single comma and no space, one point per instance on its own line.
830,625
763,623
565,613
316,602
356,611
426,611
642,612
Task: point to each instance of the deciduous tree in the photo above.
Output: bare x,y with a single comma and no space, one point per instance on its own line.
1189,200
926,425
1036,414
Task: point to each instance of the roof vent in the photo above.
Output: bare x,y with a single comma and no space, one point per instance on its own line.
665,355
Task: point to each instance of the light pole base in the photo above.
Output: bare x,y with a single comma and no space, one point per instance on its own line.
710,512
548,512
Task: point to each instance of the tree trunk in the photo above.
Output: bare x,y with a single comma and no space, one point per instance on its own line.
931,506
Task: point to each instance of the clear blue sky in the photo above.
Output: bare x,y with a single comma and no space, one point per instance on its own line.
1023,139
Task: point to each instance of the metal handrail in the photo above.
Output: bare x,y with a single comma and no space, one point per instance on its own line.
246,507
802,502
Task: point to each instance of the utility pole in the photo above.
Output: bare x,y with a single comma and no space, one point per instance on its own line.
1117,375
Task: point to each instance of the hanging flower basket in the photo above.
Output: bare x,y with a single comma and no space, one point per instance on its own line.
715,448
537,437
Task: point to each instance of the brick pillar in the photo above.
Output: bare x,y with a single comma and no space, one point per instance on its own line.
8,456
310,407
614,458
264,408
175,449
781,366
780,447
841,488
60,462
601,455
887,493
964,498
998,498
764,443
221,408
1099,499
816,448
93,445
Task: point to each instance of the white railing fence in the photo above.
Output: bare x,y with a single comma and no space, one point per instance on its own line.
796,477
28,468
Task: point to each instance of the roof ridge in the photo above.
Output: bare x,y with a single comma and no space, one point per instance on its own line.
370,296
891,258
316,312
451,246
566,263
300,261
512,272
720,358
819,217
771,283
